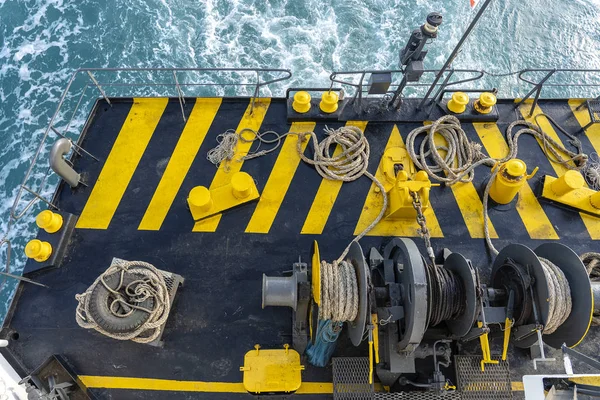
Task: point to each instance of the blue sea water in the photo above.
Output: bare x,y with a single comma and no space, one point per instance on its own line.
43,41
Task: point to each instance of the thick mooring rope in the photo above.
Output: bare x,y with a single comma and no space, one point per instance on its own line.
591,261
153,285
559,296
339,292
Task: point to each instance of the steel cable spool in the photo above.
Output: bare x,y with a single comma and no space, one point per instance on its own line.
446,295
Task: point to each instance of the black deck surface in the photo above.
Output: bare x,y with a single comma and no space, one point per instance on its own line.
217,315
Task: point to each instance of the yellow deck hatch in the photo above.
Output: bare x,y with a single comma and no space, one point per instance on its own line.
272,370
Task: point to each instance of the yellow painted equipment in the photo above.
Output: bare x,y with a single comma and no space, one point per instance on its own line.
38,250
373,346
301,102
458,103
570,190
511,177
486,103
401,202
329,102
204,203
268,371
49,221
393,159
316,273
485,349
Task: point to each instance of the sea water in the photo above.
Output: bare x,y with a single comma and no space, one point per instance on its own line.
43,41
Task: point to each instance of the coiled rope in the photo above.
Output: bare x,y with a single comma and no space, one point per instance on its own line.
591,261
153,285
559,296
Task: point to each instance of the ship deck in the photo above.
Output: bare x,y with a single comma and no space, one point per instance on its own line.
134,208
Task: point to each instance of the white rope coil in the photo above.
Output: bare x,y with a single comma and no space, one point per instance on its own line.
153,285
559,293
339,292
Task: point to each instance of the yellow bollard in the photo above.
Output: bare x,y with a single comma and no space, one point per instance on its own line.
38,250
511,177
458,102
571,180
49,221
241,185
486,103
199,199
329,102
301,102
595,200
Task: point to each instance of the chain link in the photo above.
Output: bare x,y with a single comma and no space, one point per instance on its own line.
422,221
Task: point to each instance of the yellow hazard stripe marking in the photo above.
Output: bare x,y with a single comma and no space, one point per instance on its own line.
591,223
251,120
326,196
374,201
122,162
468,200
279,181
531,212
187,147
115,382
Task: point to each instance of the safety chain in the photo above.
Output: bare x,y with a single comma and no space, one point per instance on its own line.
422,221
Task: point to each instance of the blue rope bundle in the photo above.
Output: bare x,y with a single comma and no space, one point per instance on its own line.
319,353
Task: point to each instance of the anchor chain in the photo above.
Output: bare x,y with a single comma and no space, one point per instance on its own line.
422,221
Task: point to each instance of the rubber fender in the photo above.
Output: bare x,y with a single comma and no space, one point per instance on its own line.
101,299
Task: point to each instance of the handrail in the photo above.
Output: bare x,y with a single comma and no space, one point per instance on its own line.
104,86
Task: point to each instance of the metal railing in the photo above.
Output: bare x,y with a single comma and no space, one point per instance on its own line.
456,79
111,83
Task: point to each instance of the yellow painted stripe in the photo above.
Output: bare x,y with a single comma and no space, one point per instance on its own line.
326,196
591,223
122,162
187,147
226,170
517,386
279,181
374,201
468,201
531,212
115,382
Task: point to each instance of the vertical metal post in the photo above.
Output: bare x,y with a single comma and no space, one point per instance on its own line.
99,88
455,51
180,95
537,90
256,90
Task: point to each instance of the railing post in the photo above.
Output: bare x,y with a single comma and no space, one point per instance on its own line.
256,90
99,88
537,90
180,95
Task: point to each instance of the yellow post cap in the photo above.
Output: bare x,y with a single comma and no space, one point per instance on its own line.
301,102
49,221
487,99
241,185
515,168
38,250
329,102
458,102
200,198
571,180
